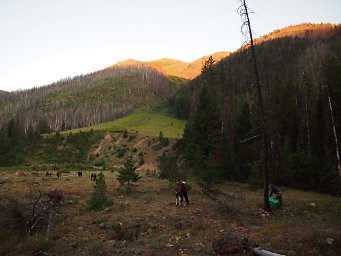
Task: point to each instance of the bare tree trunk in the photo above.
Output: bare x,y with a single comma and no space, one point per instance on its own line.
244,11
304,133
336,142
306,111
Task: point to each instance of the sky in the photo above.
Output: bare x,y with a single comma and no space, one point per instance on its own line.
43,41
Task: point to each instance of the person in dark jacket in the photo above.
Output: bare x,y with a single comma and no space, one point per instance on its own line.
276,192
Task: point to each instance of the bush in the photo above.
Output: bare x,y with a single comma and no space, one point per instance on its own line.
131,138
125,134
120,152
141,158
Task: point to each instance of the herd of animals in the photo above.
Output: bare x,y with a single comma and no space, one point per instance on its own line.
181,189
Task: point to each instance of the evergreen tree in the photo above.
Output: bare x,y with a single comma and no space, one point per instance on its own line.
244,140
4,142
13,130
168,167
43,127
207,69
180,103
99,200
128,174
203,136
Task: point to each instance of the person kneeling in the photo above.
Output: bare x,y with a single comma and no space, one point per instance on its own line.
276,192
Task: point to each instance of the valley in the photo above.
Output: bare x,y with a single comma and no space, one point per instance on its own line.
167,121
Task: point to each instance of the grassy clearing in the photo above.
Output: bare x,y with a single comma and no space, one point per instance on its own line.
143,121
145,221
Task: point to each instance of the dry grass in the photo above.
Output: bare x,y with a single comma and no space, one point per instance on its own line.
147,222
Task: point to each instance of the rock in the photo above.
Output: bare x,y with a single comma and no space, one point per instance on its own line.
291,253
111,242
107,209
178,225
20,247
102,225
227,245
80,228
97,221
152,227
254,227
40,253
199,211
329,241
312,204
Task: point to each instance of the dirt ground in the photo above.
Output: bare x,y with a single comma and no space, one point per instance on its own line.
145,221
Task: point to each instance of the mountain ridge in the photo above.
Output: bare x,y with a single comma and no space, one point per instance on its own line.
173,67
115,91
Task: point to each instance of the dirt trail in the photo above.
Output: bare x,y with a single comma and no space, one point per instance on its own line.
140,142
118,141
147,166
107,139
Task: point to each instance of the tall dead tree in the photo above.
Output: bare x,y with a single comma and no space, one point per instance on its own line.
337,152
304,143
246,30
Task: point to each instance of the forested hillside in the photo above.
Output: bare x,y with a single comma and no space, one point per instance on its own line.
298,69
86,99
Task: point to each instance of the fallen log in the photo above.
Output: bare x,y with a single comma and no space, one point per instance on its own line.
261,252
230,244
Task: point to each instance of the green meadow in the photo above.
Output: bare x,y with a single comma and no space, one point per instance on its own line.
144,121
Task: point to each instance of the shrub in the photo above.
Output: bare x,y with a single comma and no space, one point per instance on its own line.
131,138
156,244
125,134
120,152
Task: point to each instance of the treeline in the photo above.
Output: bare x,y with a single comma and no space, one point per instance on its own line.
29,148
85,100
297,74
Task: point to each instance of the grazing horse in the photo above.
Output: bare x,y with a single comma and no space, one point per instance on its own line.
93,176
181,192
48,174
80,174
59,174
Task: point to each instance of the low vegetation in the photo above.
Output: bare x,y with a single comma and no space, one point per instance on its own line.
147,222
145,122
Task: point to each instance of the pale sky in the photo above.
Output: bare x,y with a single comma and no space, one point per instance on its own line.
43,41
